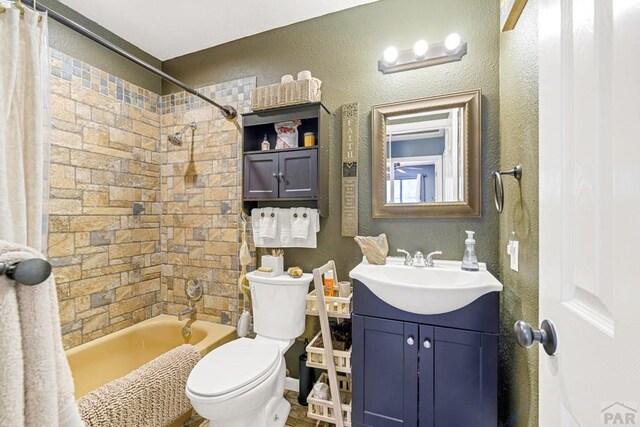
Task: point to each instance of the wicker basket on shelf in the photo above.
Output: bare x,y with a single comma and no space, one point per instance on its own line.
285,94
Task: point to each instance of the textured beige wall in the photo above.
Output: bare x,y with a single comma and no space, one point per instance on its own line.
104,158
519,144
342,49
73,44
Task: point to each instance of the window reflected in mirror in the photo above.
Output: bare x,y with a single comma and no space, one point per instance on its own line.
425,157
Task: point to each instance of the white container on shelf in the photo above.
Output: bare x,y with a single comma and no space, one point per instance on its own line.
275,263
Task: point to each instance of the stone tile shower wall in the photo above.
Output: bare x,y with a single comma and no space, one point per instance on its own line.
201,196
132,217
105,162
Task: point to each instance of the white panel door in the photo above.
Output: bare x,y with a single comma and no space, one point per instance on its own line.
589,62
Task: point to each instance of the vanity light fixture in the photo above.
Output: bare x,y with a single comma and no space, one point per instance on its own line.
420,49
452,42
390,55
423,55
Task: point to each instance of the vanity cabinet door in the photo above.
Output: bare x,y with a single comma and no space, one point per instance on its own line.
261,176
385,373
298,173
458,378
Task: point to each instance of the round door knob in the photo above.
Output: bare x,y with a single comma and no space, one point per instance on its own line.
526,336
410,340
427,343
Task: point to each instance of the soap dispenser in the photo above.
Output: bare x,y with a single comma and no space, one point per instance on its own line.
470,261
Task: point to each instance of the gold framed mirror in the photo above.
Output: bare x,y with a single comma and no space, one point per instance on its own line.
427,157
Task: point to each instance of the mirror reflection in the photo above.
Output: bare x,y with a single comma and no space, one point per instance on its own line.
425,157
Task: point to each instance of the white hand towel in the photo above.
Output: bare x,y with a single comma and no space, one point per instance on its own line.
41,378
269,223
300,219
283,238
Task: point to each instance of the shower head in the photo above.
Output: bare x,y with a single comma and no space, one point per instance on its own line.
176,138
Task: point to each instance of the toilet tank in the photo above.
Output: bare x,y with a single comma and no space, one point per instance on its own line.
279,304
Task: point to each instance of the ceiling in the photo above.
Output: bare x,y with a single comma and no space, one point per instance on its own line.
168,28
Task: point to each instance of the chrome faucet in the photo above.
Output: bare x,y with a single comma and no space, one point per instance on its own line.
418,260
429,261
188,311
407,257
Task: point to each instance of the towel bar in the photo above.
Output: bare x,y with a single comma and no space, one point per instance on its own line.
30,272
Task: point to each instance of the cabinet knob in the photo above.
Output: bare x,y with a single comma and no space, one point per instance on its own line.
275,175
427,343
281,175
410,340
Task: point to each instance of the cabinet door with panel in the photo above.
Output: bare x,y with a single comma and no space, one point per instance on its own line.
458,378
298,173
260,176
385,372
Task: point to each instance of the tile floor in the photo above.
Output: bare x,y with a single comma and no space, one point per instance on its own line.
297,416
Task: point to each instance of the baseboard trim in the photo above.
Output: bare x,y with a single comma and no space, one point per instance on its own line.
292,384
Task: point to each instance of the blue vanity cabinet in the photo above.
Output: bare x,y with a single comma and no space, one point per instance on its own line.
424,370
388,373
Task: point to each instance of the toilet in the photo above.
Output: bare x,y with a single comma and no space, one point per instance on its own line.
241,384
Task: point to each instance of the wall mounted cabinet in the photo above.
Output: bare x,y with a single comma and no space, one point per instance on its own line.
424,370
291,177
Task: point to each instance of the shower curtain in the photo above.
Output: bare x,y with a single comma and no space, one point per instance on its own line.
24,107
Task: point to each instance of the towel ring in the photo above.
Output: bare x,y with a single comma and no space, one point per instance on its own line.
498,188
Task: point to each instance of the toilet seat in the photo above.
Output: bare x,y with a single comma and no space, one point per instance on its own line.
233,368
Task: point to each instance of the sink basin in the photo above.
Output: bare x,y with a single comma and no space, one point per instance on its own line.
425,290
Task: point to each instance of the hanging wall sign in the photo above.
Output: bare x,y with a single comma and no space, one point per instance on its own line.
350,170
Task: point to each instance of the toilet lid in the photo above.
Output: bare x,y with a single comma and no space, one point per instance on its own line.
232,366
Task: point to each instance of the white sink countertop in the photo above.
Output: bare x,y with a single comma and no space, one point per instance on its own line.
439,289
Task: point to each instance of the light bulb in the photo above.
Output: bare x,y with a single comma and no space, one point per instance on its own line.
420,49
390,55
452,42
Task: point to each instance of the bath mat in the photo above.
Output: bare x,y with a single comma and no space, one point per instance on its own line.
152,395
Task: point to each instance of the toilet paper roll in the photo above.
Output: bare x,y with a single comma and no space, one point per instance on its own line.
287,78
304,75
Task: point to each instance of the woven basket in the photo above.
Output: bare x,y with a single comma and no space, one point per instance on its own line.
285,94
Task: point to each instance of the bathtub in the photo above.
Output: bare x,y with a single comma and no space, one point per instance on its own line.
115,355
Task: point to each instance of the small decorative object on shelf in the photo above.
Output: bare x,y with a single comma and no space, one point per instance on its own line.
287,134
375,249
265,146
309,139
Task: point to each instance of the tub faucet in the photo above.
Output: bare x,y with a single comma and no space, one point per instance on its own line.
188,311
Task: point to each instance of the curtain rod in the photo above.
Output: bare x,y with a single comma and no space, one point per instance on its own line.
228,111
